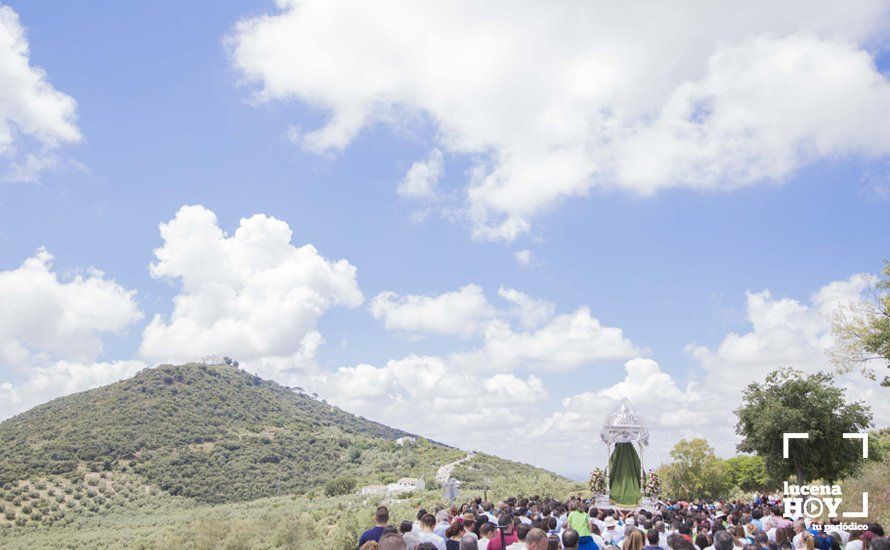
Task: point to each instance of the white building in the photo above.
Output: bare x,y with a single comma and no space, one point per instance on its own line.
406,485
405,440
373,490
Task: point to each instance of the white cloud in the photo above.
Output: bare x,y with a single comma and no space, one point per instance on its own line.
784,333
543,341
51,329
422,178
44,318
61,378
530,312
550,100
464,312
428,396
566,342
523,257
251,295
29,106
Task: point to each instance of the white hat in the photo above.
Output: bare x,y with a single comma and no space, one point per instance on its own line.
610,522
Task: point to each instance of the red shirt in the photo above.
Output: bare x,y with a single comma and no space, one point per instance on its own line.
495,542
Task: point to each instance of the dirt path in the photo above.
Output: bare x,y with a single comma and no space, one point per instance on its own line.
445,471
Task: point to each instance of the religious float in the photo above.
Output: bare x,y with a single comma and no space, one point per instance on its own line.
624,483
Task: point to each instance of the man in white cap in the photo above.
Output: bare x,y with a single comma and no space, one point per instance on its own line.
611,535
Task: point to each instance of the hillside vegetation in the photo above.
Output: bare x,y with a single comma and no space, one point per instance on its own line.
191,441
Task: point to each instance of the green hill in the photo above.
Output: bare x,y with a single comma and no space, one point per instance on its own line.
186,436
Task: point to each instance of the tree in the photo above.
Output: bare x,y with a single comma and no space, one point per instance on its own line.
339,486
696,472
788,401
862,333
748,473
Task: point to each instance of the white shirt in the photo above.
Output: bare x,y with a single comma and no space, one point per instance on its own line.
854,545
517,546
483,543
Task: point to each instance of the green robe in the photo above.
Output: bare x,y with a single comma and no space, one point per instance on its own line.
624,475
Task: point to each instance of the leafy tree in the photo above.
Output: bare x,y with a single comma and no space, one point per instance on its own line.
696,472
862,333
339,486
748,473
788,401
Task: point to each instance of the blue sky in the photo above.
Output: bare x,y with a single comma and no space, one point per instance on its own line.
167,120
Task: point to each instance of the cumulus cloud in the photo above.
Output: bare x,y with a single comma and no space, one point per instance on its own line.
44,318
422,178
61,378
529,311
551,100
51,332
566,342
463,312
429,396
540,340
251,295
784,333
35,118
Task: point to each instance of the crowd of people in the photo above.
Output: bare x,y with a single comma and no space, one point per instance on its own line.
537,523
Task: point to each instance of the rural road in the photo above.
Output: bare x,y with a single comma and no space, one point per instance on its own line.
444,472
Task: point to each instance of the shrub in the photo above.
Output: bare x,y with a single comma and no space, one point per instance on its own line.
339,486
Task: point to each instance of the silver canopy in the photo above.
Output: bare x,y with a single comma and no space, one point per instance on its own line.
623,425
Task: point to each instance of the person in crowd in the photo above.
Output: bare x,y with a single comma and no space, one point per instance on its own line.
834,526
486,532
469,543
442,522
370,545
778,518
453,534
416,525
536,539
597,535
676,541
469,525
505,534
633,540
799,528
653,540
409,534
723,540
427,534
381,518
570,539
662,533
611,535
393,541
522,531
879,543
578,520
756,516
